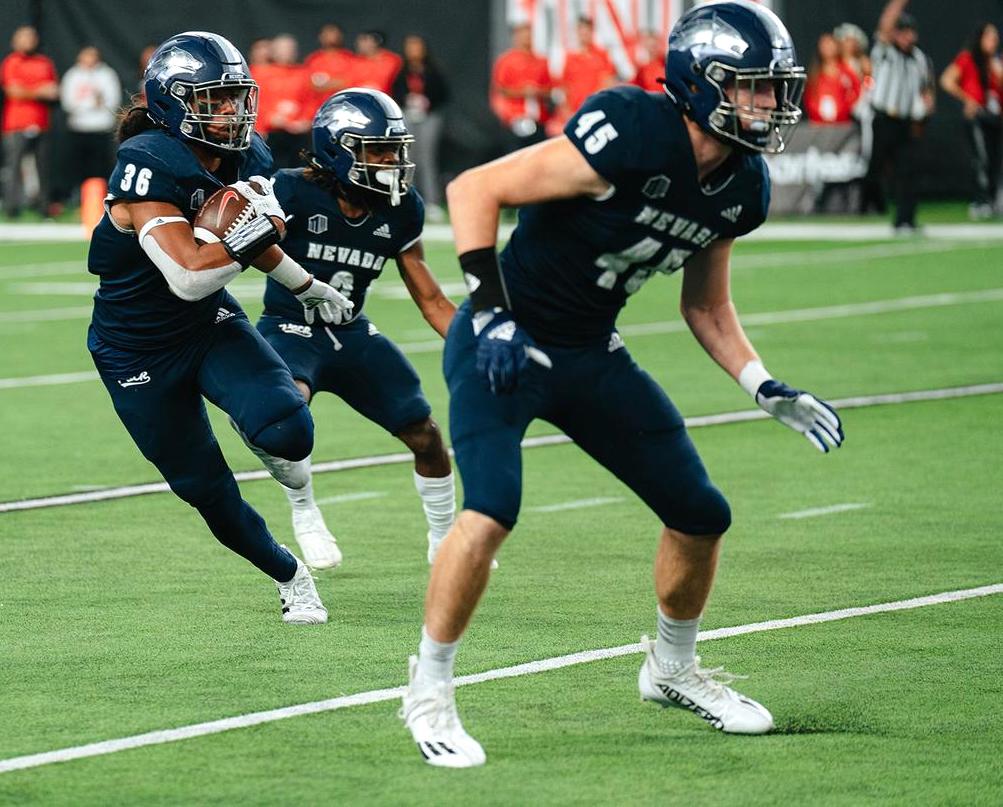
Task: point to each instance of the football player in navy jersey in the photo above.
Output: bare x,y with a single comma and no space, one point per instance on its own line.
165,333
352,209
639,184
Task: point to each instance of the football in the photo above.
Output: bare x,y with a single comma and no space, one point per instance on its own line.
222,213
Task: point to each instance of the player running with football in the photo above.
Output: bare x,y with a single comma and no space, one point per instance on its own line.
639,183
351,210
165,333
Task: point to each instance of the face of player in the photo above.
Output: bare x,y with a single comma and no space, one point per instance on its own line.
219,106
383,154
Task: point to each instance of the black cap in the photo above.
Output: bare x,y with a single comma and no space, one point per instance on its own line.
906,22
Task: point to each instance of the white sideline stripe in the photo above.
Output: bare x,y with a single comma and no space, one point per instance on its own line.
352,497
743,416
47,314
577,504
641,329
515,671
47,380
824,511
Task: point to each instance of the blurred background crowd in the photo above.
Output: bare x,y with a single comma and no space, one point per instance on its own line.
871,91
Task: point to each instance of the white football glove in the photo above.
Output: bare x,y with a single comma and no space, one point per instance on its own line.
796,409
333,306
263,204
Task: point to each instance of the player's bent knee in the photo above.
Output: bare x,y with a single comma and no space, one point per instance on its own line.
290,438
423,437
707,513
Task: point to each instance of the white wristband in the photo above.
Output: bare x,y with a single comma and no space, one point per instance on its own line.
752,376
290,274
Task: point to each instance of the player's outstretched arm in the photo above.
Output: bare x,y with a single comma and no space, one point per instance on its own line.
554,169
550,170
707,307
435,307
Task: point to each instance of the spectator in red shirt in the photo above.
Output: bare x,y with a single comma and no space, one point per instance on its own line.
375,67
421,90
30,85
520,90
853,49
586,71
833,88
652,62
975,78
285,98
331,67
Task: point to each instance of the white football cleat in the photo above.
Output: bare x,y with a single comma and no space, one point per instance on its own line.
704,692
320,549
301,603
430,715
433,550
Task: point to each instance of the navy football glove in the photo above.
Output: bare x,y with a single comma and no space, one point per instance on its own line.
503,350
802,412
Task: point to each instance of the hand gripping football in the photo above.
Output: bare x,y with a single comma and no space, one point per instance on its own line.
223,212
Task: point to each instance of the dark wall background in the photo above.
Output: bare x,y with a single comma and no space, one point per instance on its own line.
458,32
944,28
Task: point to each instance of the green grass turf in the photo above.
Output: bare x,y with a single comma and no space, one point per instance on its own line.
848,356
126,616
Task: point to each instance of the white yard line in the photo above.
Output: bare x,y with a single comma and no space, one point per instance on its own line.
518,670
812,512
352,497
48,380
638,329
578,504
47,314
377,460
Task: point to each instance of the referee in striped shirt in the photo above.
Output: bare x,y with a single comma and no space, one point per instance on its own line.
902,98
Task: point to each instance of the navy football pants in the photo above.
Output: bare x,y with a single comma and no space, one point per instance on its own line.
159,397
355,362
602,400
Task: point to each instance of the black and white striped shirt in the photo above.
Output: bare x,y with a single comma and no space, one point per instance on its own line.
899,81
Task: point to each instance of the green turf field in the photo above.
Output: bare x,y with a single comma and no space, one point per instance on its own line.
124,617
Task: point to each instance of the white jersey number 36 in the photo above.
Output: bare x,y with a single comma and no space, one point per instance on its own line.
600,137
142,179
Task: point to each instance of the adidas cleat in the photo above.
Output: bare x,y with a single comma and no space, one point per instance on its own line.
430,715
704,692
301,603
320,549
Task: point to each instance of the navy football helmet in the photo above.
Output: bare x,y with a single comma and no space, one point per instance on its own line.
199,88
349,127
732,68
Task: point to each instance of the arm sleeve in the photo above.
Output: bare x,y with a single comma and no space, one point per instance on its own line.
604,130
188,285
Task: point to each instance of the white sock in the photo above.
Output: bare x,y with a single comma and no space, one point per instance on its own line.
438,498
676,643
302,498
435,659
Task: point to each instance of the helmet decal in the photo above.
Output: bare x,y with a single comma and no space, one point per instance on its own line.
172,63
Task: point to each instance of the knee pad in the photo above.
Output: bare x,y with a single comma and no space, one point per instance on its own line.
290,438
709,512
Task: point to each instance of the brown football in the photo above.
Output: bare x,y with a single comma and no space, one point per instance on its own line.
222,213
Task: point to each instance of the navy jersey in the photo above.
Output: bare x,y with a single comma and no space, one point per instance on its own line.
348,254
571,264
133,306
